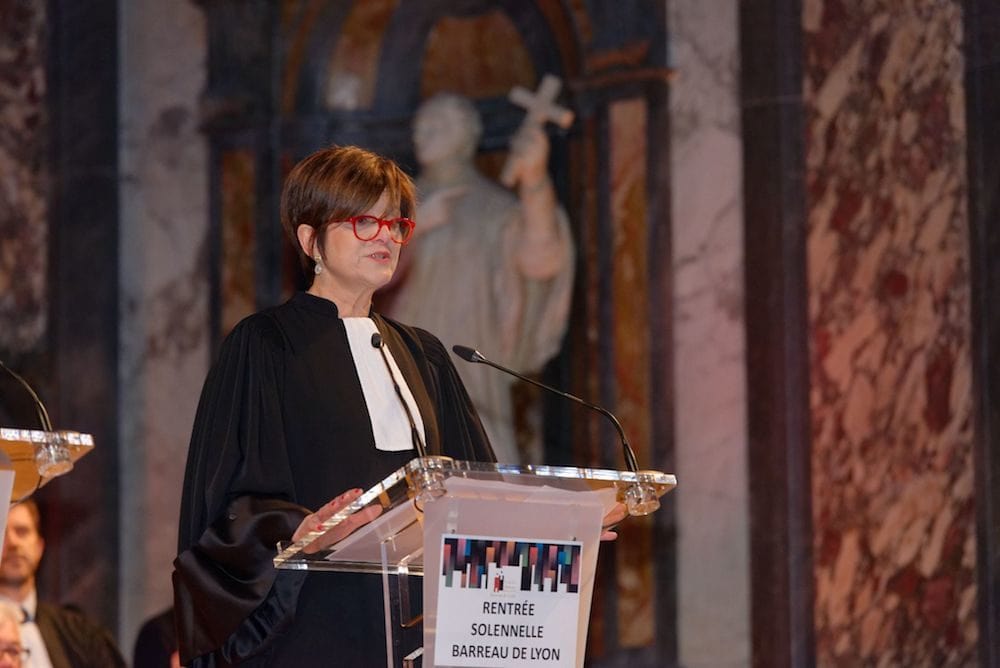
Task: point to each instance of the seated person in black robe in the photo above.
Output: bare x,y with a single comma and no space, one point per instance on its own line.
299,407
156,644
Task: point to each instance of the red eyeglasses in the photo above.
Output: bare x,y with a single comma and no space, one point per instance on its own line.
367,228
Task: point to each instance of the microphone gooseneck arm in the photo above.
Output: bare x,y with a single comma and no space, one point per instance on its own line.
43,415
474,356
418,442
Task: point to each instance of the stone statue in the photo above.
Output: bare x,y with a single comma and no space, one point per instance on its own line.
486,269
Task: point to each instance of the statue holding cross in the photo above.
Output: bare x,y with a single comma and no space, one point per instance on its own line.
487,268
541,107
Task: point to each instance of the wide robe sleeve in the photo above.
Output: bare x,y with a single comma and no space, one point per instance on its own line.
237,503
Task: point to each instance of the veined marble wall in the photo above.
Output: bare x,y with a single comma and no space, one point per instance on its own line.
23,178
710,380
164,283
634,570
893,506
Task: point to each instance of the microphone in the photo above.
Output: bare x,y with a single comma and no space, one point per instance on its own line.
52,457
43,415
474,356
418,443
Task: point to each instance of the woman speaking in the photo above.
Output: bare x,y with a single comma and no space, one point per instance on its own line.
298,407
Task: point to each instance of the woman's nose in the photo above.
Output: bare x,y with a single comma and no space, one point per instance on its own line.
383,232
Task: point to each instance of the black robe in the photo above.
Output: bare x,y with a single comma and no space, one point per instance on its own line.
73,641
282,427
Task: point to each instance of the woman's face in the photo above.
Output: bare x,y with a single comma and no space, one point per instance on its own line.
359,266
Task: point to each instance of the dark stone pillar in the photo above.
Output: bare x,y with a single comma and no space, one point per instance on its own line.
982,99
81,520
777,337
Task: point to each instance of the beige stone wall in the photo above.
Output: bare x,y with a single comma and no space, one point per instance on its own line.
164,288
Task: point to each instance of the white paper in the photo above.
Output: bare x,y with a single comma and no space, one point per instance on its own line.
493,613
6,487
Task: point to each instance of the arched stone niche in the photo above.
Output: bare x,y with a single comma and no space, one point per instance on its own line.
288,77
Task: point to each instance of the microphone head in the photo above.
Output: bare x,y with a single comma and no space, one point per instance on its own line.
468,354
376,340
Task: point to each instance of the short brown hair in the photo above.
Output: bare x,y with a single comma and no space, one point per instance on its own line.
336,183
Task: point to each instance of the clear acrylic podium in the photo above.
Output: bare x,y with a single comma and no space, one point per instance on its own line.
497,561
38,456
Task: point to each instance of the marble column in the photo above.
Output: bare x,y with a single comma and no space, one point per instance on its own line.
24,230
710,450
889,308
164,294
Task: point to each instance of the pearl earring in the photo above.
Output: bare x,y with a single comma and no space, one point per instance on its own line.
318,268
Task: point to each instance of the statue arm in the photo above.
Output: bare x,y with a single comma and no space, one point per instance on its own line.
436,210
544,244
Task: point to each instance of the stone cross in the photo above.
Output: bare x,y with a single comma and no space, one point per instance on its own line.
541,107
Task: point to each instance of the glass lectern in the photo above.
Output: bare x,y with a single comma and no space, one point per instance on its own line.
496,561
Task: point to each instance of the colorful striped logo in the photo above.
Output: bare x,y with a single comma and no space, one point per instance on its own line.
536,566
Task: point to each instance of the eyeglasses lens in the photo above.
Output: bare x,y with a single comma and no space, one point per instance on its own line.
397,230
366,227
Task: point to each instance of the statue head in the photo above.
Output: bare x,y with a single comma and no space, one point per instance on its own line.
446,127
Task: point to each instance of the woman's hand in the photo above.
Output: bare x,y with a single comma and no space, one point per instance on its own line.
354,521
611,520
